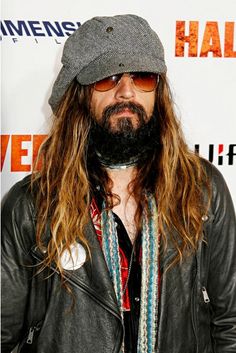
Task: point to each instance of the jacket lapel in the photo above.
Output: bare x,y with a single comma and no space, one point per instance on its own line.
93,276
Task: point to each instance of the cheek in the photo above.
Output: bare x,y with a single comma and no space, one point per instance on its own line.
149,105
95,110
93,103
97,105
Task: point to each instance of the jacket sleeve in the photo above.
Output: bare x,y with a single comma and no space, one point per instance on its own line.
17,230
222,267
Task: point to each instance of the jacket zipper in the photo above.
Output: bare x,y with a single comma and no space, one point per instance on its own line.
30,336
194,325
205,295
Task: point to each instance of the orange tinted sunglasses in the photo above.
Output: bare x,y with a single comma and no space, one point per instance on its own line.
143,81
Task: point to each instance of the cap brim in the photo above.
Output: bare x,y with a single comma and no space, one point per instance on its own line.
114,63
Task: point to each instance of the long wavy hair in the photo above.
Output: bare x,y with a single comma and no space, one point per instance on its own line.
174,174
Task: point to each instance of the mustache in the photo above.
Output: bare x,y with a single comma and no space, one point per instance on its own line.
119,107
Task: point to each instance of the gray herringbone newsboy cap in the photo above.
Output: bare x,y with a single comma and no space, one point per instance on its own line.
104,46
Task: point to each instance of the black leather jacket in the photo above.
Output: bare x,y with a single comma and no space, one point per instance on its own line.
197,309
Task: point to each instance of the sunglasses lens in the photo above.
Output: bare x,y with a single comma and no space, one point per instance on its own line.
107,83
145,81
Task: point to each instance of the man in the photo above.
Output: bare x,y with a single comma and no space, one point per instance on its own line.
125,239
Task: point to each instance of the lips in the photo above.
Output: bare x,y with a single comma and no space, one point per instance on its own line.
125,112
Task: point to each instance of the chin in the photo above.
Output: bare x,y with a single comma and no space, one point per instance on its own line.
124,124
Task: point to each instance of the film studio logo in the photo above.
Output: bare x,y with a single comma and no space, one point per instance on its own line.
37,30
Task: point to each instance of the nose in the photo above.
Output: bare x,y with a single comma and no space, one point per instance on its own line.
125,89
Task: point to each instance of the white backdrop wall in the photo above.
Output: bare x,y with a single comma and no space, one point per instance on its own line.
200,45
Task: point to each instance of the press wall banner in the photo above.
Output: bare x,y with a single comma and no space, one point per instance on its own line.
200,48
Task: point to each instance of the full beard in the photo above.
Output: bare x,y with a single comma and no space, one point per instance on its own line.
126,142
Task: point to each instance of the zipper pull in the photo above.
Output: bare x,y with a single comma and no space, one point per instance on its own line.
30,335
205,295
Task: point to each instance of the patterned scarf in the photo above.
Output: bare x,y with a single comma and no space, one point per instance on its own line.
150,269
